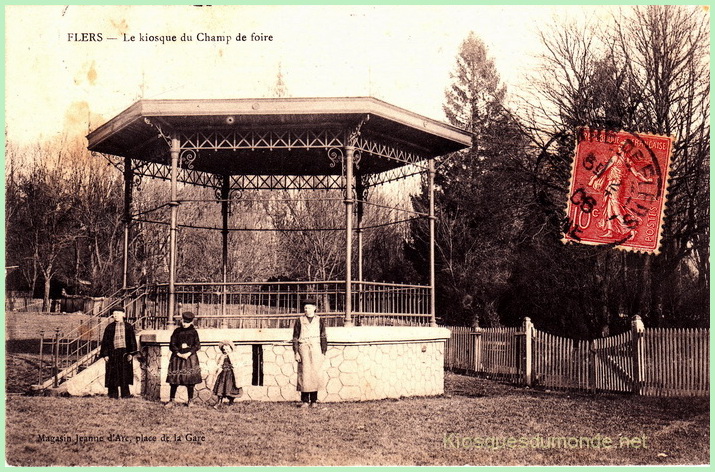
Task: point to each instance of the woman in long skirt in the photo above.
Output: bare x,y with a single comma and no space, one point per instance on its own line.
184,366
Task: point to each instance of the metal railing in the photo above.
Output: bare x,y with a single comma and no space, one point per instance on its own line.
230,305
72,349
374,303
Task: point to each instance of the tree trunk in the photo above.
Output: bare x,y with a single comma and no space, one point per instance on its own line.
46,296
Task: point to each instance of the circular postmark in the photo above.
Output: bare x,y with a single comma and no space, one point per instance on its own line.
617,189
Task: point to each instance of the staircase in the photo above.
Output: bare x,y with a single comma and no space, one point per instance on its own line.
70,352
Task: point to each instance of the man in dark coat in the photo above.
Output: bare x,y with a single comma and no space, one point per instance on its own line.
118,344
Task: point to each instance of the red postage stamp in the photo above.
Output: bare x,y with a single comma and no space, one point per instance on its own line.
618,189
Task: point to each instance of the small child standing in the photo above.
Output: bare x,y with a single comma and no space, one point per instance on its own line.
226,382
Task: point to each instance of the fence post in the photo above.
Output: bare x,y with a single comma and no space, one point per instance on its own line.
477,348
55,357
477,343
637,332
42,349
592,366
528,354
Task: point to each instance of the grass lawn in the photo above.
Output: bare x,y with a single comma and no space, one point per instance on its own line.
412,431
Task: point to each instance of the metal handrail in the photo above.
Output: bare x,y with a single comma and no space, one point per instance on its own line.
81,344
262,305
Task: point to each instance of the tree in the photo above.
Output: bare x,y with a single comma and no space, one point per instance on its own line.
98,211
44,224
310,231
473,102
477,202
647,71
18,252
64,217
385,235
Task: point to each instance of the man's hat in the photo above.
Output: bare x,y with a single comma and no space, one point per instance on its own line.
308,301
187,316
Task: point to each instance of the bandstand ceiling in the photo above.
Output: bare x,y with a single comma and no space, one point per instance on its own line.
277,136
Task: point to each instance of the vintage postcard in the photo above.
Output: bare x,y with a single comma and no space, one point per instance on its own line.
331,235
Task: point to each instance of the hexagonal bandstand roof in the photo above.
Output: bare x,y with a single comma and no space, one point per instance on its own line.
273,137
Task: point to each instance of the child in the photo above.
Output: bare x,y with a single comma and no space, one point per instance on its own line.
226,381
184,366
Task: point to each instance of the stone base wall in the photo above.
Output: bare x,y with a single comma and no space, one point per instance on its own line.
362,363
91,380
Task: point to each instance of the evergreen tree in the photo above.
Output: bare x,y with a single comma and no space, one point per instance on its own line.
474,99
476,201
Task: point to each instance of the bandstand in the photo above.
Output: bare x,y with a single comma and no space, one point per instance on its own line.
383,338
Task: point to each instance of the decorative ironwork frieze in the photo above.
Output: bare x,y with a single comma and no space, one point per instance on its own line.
254,139
286,182
157,170
137,182
238,182
390,152
332,140
233,194
165,136
115,161
161,171
354,133
392,175
336,156
357,155
187,158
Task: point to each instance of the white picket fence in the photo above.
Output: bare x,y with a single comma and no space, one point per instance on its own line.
644,361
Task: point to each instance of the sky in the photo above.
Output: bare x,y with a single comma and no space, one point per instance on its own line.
400,54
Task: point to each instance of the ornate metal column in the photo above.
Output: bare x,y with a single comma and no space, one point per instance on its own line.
224,246
361,192
128,186
432,218
174,151
349,202
351,157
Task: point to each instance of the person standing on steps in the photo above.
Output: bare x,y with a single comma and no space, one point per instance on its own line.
118,345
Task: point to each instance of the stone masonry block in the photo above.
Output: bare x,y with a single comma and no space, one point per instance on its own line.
202,356
269,354
338,359
348,367
274,393
282,380
334,386
332,352
288,369
350,379
350,352
351,393
289,393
